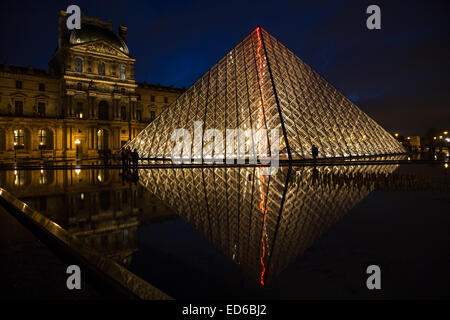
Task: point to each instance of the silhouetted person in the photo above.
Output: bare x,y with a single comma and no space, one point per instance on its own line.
315,152
128,158
135,159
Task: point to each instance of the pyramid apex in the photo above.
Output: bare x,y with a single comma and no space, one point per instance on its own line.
258,28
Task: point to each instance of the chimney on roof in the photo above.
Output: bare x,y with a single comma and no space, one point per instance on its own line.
123,33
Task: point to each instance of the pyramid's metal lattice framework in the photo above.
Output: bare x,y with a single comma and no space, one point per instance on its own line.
262,84
262,224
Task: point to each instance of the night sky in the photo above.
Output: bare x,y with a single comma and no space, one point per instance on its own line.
398,75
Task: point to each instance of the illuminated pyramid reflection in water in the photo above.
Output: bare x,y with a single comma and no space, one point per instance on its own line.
224,204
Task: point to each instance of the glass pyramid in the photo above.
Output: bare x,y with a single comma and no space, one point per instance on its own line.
261,84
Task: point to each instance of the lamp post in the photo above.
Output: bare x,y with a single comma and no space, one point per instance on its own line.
17,146
41,147
77,143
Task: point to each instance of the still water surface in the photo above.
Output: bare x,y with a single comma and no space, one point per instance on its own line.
233,233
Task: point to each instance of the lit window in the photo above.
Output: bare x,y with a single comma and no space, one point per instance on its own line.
78,65
122,72
79,110
42,137
19,137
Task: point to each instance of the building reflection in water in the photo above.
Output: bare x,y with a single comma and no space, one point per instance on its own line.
227,206
94,205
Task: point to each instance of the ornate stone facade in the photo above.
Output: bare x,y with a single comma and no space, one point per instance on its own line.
87,102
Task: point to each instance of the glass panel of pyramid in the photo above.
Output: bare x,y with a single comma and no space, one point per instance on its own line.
261,84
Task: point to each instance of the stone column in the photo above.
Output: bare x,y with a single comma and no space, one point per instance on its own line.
95,138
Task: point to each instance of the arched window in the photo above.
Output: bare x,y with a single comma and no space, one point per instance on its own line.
122,71
19,137
78,65
101,68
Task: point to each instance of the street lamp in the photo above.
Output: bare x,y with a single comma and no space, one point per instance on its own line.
17,146
41,147
77,143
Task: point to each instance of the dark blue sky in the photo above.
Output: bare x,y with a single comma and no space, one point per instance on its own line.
398,75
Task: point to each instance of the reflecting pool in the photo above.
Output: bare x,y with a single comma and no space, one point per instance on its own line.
221,232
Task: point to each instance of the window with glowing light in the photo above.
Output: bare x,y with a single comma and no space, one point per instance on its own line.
42,137
79,110
19,137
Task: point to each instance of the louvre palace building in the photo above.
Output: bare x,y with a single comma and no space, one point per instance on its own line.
87,102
